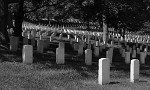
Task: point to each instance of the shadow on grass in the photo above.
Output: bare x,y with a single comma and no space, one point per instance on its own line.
144,67
3,58
71,62
75,62
7,55
142,81
120,66
114,82
49,61
81,68
144,73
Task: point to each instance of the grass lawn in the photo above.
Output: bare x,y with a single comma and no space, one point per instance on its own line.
46,75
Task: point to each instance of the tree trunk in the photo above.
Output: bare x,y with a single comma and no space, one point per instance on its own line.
4,38
123,33
19,16
104,29
6,21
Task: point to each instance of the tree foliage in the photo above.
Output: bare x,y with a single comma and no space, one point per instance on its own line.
129,14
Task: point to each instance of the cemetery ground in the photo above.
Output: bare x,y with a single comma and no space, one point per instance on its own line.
45,74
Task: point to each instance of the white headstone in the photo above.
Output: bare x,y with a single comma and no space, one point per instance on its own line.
33,33
71,42
104,71
141,47
41,37
76,46
23,34
40,46
50,38
27,54
61,36
134,54
94,44
77,39
14,41
134,70
123,52
109,55
96,51
112,42
127,57
61,45
145,50
97,43
68,36
142,57
88,57
85,40
80,50
138,51
120,49
29,36
134,48
37,34
60,54
130,50
131,39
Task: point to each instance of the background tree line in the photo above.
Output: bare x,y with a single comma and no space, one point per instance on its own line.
120,14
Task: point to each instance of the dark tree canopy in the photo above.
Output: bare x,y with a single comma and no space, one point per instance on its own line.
127,14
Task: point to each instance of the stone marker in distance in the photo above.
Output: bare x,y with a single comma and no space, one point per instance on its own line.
40,46
96,51
14,41
127,57
142,57
88,57
60,54
27,54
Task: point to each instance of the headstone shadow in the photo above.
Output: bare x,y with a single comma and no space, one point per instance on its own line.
114,82
143,81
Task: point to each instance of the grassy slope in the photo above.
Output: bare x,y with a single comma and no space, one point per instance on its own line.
46,75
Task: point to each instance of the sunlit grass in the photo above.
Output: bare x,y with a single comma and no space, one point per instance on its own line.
45,74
